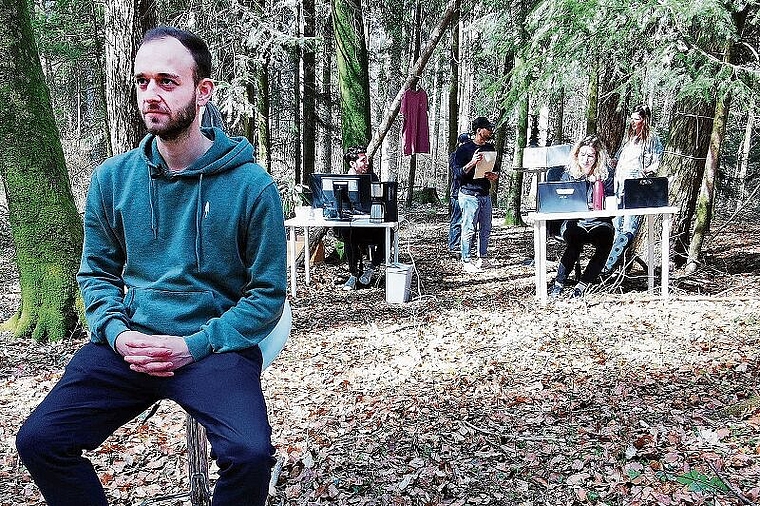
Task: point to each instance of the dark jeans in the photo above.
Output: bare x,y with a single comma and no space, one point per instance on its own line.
355,240
600,237
98,393
455,225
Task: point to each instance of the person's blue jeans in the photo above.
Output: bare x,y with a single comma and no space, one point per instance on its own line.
98,393
455,225
627,224
476,212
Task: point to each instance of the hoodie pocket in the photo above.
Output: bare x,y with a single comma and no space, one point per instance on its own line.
168,312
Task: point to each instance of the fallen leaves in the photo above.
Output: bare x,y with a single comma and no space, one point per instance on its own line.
471,394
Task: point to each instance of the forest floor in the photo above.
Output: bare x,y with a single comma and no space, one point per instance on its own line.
471,394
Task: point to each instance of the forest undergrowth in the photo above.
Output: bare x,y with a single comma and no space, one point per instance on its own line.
471,393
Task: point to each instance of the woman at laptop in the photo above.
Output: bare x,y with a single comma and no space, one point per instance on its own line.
588,162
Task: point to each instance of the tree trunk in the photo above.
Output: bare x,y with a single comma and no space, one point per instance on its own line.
46,228
593,100
453,106
309,91
557,116
353,72
501,139
327,103
125,23
297,102
514,190
611,117
684,162
743,156
705,201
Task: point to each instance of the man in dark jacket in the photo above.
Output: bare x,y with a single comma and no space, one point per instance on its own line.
474,194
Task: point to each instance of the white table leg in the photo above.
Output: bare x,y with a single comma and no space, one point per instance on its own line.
650,252
665,255
292,256
306,254
539,253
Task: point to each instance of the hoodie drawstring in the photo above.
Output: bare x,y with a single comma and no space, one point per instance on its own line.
198,218
152,196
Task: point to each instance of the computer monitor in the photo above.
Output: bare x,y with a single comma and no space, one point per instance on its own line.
340,196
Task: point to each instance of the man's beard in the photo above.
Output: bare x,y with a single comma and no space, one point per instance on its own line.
177,125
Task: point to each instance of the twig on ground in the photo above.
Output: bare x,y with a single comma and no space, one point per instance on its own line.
731,486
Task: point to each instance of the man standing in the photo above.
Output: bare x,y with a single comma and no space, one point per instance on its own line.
474,195
182,274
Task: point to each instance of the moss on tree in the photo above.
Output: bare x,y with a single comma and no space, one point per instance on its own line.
46,228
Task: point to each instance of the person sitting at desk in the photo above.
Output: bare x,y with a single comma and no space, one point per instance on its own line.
356,239
588,162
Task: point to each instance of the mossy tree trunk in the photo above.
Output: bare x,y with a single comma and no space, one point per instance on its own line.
353,72
47,230
684,163
515,177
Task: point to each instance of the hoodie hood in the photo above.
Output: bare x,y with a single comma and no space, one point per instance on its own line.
225,154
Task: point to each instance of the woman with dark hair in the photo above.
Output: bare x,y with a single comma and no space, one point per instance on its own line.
588,162
639,156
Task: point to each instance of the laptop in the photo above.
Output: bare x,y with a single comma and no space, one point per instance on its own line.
562,197
645,192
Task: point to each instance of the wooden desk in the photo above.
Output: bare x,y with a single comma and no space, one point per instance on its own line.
318,221
539,240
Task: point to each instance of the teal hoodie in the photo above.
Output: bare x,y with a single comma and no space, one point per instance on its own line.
199,254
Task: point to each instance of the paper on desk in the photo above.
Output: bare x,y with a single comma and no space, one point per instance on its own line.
485,164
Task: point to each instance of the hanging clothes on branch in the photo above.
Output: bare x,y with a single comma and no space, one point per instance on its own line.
414,107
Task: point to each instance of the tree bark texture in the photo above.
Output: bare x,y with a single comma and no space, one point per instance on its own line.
46,227
684,162
593,100
514,189
197,462
611,115
126,22
706,199
353,72
309,91
453,105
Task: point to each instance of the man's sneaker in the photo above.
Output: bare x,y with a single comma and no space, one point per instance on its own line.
470,268
350,284
556,290
580,290
484,263
366,277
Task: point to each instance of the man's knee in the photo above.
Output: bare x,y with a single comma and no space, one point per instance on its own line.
34,440
255,456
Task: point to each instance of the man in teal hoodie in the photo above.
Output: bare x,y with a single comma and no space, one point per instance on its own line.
182,274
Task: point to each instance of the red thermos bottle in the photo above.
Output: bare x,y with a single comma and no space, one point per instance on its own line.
598,199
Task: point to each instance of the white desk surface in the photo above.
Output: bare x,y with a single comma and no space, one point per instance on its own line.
361,221
604,213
